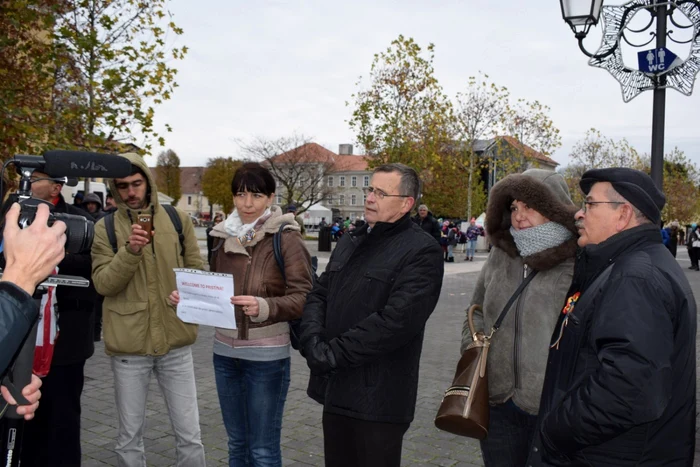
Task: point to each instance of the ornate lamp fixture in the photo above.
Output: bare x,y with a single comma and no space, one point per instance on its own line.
657,68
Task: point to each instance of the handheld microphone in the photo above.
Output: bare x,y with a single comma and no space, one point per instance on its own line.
85,164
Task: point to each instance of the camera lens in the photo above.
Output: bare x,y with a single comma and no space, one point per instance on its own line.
79,232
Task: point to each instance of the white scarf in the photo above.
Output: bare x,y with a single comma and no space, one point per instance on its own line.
235,227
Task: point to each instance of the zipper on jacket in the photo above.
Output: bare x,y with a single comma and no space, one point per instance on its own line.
243,332
516,340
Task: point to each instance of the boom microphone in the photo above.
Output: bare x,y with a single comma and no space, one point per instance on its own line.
85,164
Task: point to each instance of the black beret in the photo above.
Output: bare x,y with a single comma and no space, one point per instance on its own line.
633,185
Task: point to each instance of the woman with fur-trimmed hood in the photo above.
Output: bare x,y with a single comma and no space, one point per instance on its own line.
530,222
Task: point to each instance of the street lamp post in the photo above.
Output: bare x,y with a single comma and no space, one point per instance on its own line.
658,69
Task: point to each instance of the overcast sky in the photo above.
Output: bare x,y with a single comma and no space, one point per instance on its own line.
272,68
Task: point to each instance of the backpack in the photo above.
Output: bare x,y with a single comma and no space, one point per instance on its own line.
295,324
172,213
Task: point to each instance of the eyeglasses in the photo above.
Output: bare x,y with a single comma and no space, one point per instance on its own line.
126,185
381,195
585,204
38,179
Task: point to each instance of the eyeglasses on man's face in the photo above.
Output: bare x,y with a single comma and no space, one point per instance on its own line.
381,195
585,204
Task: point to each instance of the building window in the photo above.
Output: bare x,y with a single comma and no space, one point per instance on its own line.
353,200
189,201
342,180
341,199
279,199
330,181
365,181
353,181
329,200
364,199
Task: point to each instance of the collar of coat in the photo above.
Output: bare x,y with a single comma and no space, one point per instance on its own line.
385,229
271,226
539,197
593,259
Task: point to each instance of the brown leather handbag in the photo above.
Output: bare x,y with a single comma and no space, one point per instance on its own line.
464,409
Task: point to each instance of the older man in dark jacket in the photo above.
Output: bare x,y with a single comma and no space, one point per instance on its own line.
427,221
620,383
363,325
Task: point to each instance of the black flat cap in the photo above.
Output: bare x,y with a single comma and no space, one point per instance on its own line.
633,185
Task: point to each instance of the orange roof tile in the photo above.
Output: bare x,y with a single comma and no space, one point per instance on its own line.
312,152
529,152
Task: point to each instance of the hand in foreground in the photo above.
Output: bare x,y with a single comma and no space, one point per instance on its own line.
248,302
31,392
138,239
32,253
319,356
174,298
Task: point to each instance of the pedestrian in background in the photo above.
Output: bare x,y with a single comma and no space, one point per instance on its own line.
621,374
426,221
473,233
531,224
693,246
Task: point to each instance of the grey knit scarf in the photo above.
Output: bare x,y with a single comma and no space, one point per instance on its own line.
539,238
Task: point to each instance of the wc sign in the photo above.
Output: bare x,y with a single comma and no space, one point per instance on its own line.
657,61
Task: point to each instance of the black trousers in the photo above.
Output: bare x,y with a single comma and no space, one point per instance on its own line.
351,442
52,438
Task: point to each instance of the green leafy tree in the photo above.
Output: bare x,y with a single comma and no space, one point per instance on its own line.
216,181
96,69
403,116
26,75
168,174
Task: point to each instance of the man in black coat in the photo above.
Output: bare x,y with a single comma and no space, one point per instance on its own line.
426,221
53,438
363,325
620,383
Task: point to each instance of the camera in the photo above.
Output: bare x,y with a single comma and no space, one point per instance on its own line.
79,231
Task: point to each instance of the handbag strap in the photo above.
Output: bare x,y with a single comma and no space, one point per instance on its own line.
515,295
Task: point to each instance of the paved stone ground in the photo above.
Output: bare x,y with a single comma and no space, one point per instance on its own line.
302,439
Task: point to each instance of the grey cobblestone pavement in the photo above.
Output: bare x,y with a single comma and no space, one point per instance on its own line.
302,438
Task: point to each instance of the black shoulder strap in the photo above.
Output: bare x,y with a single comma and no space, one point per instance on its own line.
177,223
111,235
277,250
520,288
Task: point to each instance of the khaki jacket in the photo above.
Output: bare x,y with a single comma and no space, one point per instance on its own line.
255,272
137,317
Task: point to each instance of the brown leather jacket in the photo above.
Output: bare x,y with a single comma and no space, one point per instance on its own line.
255,272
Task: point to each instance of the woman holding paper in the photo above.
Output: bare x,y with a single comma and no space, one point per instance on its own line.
251,363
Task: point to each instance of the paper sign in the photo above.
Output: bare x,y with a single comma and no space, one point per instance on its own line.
205,298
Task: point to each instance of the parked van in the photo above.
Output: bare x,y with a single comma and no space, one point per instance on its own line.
69,192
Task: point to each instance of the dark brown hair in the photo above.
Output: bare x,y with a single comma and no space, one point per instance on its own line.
254,178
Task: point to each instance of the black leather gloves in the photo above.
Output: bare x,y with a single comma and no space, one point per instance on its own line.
319,356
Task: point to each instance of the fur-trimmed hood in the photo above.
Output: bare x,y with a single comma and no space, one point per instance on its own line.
547,193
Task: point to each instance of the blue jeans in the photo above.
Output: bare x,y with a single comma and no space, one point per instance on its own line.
252,396
510,434
471,248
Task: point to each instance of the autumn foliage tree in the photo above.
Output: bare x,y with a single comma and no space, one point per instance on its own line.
216,181
86,74
168,174
404,116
